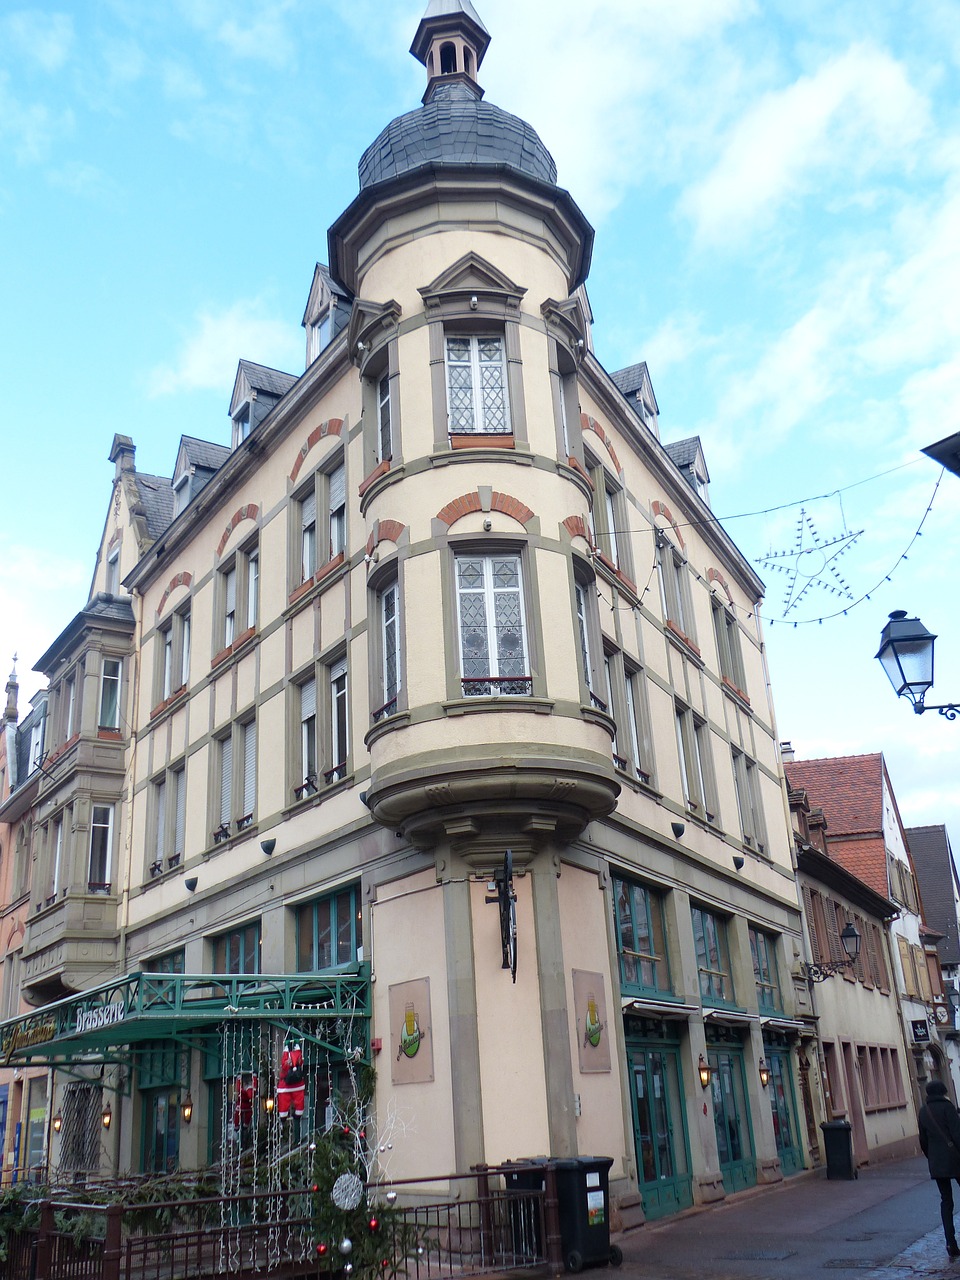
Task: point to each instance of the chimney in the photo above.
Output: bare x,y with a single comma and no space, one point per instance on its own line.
122,454
10,713
787,754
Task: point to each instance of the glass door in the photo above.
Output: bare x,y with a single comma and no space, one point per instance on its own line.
161,1130
734,1139
659,1131
784,1113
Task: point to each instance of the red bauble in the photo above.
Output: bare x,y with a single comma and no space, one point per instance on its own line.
321,1249
374,1223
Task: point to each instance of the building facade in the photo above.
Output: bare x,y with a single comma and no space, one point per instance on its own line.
447,595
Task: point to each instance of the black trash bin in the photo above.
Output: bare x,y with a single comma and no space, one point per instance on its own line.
525,1224
583,1199
838,1148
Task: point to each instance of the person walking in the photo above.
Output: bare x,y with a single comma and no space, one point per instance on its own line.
940,1143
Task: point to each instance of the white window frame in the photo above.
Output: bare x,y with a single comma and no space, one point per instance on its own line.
113,571
478,424
674,597
384,418
309,742
109,679
495,676
339,724
70,707
103,885
240,593
388,613
56,861
694,768
175,653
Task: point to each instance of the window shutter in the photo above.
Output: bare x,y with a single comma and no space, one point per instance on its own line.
883,976
833,931
906,964
338,488
181,820
249,767
308,510
811,924
308,699
226,779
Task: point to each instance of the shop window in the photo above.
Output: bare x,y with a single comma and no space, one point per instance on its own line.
763,953
238,950
330,931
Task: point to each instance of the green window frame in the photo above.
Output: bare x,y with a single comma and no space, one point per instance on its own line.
330,931
641,940
238,950
169,962
713,956
763,952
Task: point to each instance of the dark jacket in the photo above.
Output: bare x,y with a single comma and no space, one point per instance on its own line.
939,1128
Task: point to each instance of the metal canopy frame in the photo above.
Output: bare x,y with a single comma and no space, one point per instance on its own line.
99,1025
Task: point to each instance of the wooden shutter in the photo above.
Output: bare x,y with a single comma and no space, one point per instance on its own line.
226,779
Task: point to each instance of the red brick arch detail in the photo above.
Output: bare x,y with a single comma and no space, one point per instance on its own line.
386,531
714,575
468,503
178,580
250,512
576,526
661,509
591,424
332,427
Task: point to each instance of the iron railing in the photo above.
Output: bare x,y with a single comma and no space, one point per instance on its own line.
491,1220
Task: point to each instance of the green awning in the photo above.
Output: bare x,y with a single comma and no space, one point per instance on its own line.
99,1024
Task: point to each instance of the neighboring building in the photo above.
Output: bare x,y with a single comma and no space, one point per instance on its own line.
23,1093
865,835
854,1066
940,891
448,596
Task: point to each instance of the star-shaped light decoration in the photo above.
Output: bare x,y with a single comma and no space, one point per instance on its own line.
811,563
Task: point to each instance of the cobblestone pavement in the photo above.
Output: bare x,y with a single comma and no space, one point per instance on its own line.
885,1225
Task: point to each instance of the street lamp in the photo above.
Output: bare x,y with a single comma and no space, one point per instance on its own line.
186,1108
906,655
850,940
106,1116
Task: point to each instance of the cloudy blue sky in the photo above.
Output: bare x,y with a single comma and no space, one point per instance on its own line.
776,193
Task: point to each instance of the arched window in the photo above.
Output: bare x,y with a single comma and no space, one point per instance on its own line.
448,59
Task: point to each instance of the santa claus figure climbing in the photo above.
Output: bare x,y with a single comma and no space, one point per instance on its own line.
290,1085
244,1101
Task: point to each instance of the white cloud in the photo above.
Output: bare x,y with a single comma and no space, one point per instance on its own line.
673,342
180,82
208,357
124,59
30,128
856,113
260,31
43,38
83,180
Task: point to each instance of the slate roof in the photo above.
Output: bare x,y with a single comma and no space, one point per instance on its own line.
630,379
455,127
157,500
204,453
263,378
849,790
933,863
683,453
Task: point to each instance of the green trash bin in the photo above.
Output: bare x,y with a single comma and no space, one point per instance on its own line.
838,1149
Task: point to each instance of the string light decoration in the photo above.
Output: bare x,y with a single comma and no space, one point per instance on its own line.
808,561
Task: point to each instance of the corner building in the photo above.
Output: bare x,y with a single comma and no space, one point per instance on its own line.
448,595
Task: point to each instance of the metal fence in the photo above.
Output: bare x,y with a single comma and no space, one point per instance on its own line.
459,1225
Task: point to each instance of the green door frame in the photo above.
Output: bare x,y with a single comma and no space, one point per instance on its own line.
665,1194
740,1169
790,1153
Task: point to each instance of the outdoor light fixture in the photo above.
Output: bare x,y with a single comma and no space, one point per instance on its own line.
106,1118
268,845
678,828
268,1104
186,1108
58,1122
190,884
850,938
764,1072
906,655
705,1072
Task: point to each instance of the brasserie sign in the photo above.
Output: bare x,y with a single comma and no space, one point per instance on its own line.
23,1034
102,1015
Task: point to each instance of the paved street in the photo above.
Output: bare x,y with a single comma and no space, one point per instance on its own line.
883,1226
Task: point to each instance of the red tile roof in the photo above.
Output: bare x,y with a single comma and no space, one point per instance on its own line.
849,789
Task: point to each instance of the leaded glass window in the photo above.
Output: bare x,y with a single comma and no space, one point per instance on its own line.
493,645
477,386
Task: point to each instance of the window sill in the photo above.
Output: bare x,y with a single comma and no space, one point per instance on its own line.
327,574
324,792
243,642
734,692
682,641
109,735
481,440
479,453
62,750
498,702
616,577
594,715
168,703
637,777
378,481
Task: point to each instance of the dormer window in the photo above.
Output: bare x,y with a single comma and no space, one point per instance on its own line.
320,334
113,571
241,425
